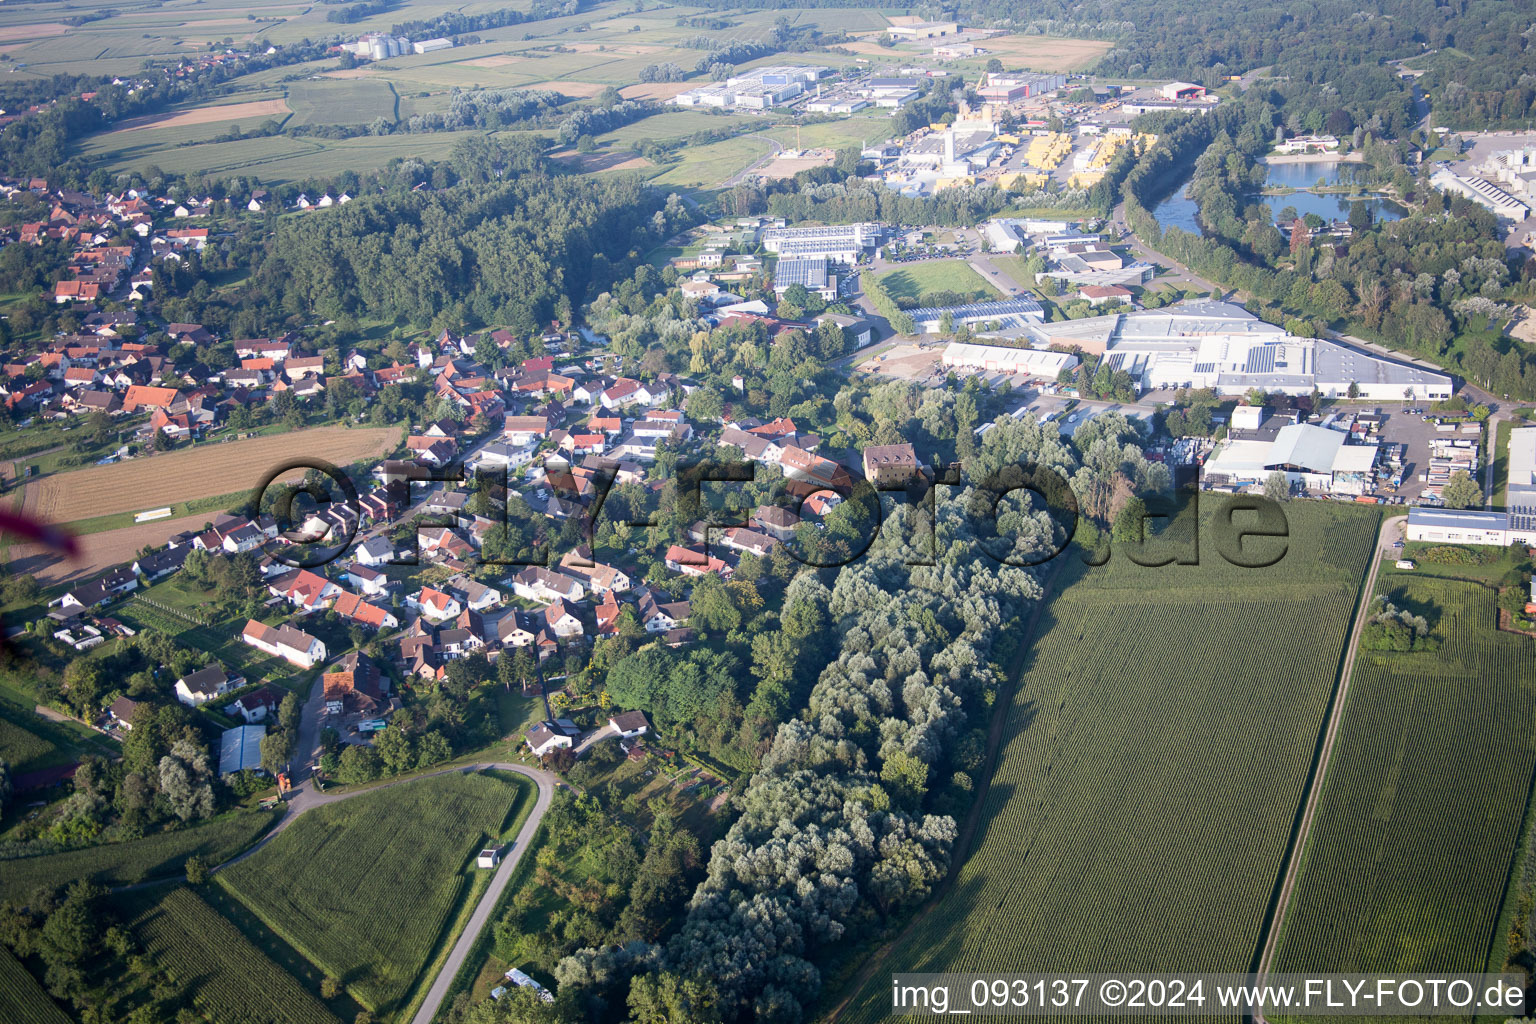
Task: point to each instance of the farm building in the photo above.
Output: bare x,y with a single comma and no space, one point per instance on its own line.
240,748
490,856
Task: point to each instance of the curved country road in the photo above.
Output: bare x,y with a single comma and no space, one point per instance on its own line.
1390,530
306,798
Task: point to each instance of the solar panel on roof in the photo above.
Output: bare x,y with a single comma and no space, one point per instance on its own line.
1205,367
1261,359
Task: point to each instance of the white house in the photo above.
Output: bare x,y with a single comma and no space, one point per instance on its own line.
434,605
292,645
205,684
629,724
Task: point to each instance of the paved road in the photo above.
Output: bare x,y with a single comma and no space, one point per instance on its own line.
482,914
750,169
1391,530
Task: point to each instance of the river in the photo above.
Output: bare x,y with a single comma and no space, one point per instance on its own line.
1178,210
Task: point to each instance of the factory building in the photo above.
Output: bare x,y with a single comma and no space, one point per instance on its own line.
1452,526
758,89
842,243
1219,345
1314,457
809,272
921,30
930,320
1484,193
1012,87
1042,364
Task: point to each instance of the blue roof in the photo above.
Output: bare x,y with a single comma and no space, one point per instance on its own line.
1464,518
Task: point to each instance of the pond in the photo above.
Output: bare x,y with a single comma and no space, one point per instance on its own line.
1178,210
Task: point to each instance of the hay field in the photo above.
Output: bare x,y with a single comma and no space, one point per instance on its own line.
205,115
575,90
1046,53
204,471
98,552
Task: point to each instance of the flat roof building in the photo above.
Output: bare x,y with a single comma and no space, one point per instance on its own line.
930,319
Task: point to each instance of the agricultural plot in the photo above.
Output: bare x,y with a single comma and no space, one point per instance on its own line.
202,471
348,101
226,976
22,999
363,888
1155,753
21,748
909,284
1409,853
158,856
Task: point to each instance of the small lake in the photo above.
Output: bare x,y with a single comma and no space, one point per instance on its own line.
1178,210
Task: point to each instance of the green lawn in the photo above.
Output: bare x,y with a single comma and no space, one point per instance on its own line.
365,888
911,282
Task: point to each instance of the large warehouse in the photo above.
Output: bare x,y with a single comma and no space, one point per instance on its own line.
1450,526
1315,457
1219,345
931,319
1039,363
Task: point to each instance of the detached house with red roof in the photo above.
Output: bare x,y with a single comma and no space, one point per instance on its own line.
304,590
434,605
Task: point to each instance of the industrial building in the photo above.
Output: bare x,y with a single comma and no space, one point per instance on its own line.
1314,457
1484,193
429,45
758,89
930,320
808,271
1522,468
1011,87
918,31
842,243
379,46
1219,345
1452,526
1042,364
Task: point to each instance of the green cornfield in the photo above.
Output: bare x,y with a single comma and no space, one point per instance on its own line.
22,999
1409,854
158,856
362,888
1154,758
225,975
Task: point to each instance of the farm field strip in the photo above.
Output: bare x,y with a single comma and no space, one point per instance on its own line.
202,471
363,888
22,999
227,976
1155,753
136,860
1407,861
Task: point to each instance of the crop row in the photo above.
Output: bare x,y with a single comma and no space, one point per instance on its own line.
362,888
22,999
124,863
226,976
1409,854
1156,752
